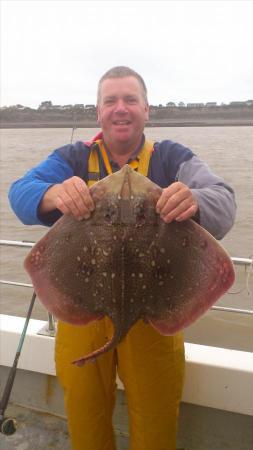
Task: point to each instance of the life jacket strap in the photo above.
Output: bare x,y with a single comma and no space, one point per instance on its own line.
140,164
93,165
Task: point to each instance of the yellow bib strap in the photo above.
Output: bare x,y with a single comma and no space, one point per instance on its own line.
140,164
144,158
93,166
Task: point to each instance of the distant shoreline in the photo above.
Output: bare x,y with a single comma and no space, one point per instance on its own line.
158,117
218,123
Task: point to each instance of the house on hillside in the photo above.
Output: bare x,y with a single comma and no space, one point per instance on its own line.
237,103
195,105
89,107
79,106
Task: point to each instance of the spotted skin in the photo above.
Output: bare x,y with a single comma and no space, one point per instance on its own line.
124,262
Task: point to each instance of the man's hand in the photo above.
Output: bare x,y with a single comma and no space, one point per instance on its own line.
71,197
176,203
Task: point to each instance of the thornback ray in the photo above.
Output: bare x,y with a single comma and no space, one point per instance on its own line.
126,263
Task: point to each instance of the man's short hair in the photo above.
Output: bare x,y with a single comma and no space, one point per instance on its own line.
122,72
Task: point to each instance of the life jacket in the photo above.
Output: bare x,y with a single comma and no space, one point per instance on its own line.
140,164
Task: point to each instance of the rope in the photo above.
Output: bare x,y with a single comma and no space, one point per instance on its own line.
248,273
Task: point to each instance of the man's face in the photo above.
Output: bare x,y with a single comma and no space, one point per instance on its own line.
122,111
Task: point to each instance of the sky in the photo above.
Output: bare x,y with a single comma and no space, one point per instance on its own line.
190,51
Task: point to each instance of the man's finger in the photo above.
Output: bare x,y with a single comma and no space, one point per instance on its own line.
172,214
179,201
66,205
190,212
77,193
83,190
167,193
184,209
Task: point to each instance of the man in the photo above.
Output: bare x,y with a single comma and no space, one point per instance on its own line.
150,366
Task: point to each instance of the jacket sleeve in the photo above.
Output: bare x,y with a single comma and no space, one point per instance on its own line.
217,207
26,193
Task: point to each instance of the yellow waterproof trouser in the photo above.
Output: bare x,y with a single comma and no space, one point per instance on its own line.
151,368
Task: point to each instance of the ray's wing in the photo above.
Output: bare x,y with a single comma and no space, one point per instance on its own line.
71,264
62,271
188,272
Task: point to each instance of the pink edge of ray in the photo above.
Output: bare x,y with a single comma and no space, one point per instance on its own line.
197,308
52,300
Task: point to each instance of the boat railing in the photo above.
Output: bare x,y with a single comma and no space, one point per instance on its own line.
50,328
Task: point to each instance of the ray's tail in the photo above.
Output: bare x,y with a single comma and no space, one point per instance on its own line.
116,338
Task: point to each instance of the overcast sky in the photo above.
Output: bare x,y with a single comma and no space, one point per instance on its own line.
191,51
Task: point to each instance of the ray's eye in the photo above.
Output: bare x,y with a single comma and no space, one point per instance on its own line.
111,213
140,213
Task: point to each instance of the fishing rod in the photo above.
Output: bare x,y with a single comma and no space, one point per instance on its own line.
72,133
74,127
8,425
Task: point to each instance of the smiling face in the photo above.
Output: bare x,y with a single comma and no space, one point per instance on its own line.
122,113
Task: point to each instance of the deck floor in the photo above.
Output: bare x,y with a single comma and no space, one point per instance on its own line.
199,429
40,431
